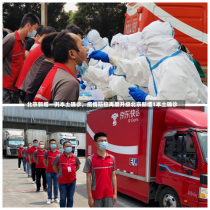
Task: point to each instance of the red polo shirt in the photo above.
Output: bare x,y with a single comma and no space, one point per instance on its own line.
30,67
26,154
67,172
50,156
23,152
60,84
101,171
38,155
31,151
20,152
14,56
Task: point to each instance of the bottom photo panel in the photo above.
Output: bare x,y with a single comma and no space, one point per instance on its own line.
105,157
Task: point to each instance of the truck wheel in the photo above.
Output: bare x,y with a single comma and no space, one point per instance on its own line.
169,198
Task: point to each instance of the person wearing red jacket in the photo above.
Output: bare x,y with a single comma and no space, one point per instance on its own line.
51,175
30,152
20,157
40,167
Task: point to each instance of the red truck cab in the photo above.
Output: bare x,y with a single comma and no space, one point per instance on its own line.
161,153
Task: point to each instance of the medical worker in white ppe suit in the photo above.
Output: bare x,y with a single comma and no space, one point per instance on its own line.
172,74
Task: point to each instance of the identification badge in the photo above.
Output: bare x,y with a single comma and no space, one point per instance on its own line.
69,169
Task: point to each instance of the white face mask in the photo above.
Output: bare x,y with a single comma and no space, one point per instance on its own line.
41,146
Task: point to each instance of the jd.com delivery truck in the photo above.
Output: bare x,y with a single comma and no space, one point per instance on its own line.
161,153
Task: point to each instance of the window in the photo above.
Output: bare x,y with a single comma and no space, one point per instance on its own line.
171,148
171,151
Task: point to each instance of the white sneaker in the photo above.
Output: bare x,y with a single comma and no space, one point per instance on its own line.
33,182
18,168
24,172
57,200
49,201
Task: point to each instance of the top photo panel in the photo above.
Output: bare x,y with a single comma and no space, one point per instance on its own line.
133,53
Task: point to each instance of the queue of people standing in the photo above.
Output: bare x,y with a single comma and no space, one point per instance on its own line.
45,66
59,171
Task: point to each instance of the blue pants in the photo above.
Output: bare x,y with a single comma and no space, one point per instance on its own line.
52,177
24,164
28,168
67,191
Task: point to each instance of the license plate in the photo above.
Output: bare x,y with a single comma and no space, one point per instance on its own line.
16,154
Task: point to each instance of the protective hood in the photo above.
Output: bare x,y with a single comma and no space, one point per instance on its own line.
115,38
157,41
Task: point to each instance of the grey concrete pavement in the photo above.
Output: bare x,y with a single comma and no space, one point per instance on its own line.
18,190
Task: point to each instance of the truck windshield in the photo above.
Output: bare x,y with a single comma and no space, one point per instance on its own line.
73,141
15,142
202,137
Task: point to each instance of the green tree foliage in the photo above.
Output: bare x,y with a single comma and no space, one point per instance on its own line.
14,12
107,18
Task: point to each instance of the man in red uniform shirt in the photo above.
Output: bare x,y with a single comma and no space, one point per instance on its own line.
66,166
40,167
32,63
101,168
30,152
51,175
20,157
14,56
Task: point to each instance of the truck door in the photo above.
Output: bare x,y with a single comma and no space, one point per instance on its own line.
170,173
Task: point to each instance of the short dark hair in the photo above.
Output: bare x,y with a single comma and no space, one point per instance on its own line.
35,140
39,29
75,29
62,43
46,44
66,142
99,134
51,140
41,141
47,30
29,18
24,145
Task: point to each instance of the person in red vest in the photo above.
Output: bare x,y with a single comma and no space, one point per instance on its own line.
32,63
14,55
20,157
66,166
51,175
24,158
100,169
70,56
40,167
30,152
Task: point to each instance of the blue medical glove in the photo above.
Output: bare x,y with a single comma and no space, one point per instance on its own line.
137,94
81,82
83,86
78,75
111,70
99,55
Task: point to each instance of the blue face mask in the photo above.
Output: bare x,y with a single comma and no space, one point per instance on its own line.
53,146
35,144
68,149
29,146
25,147
103,145
21,146
32,34
81,69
